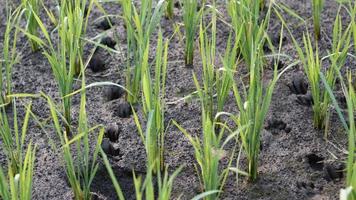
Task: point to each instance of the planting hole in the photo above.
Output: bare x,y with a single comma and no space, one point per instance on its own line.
315,161
96,64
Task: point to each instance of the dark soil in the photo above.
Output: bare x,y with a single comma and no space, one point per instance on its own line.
295,161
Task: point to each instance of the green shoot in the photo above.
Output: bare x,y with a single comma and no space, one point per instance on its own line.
317,9
153,91
312,64
349,193
82,170
253,102
207,51
65,59
13,137
10,56
170,9
245,15
18,185
140,24
191,19
208,153
32,7
223,78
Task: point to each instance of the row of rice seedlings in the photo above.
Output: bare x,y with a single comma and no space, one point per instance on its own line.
191,18
82,168
153,91
32,7
312,64
65,53
245,17
140,24
18,185
9,53
317,9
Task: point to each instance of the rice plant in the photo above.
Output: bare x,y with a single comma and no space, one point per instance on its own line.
312,64
253,101
66,57
349,193
32,7
245,17
207,48
9,54
191,18
223,76
81,169
153,91
13,137
140,24
18,185
208,152
317,9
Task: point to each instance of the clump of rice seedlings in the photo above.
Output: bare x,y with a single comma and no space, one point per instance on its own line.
9,55
191,19
32,7
66,57
170,9
209,151
146,189
207,45
153,90
140,24
13,138
80,170
317,9
18,185
245,16
223,76
253,101
312,64
349,124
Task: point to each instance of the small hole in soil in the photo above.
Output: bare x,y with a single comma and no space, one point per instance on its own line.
123,110
177,4
109,148
105,24
298,86
96,64
276,125
334,172
305,100
108,41
114,92
112,132
315,161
